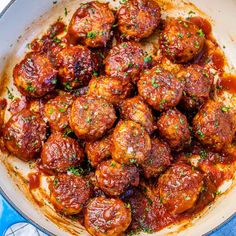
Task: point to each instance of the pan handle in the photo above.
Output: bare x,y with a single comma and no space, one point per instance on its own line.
8,216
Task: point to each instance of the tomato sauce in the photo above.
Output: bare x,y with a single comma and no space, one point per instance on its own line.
228,83
34,180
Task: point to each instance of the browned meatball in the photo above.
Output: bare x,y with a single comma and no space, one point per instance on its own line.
160,88
106,217
159,159
91,118
174,128
131,143
34,76
137,110
114,178
91,24
113,89
69,193
181,40
180,187
57,110
98,150
198,84
214,126
24,134
75,66
138,19
125,60
60,152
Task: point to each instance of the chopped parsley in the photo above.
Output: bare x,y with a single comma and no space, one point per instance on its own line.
191,12
225,109
60,109
154,84
91,35
86,107
180,35
127,205
54,81
30,88
9,94
50,111
95,73
66,11
158,71
75,171
187,198
113,164
148,59
217,192
200,133
201,33
88,119
203,154
55,182
56,40
67,85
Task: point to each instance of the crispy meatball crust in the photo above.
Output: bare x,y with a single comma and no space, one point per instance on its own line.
75,66
214,126
181,40
125,60
113,89
159,159
91,118
57,110
114,178
91,24
60,152
106,217
173,127
198,84
24,134
34,76
180,187
137,110
69,193
160,88
98,150
131,143
138,19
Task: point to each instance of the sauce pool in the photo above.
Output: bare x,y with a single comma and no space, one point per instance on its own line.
34,180
229,83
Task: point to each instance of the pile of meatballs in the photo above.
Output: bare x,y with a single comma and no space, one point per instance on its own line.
131,121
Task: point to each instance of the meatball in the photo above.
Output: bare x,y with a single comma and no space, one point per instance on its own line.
91,118
181,40
214,125
112,89
131,143
159,159
137,110
174,128
125,60
198,84
60,152
57,110
114,178
75,66
138,19
180,187
91,24
106,217
24,134
98,150
34,76
69,193
160,88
